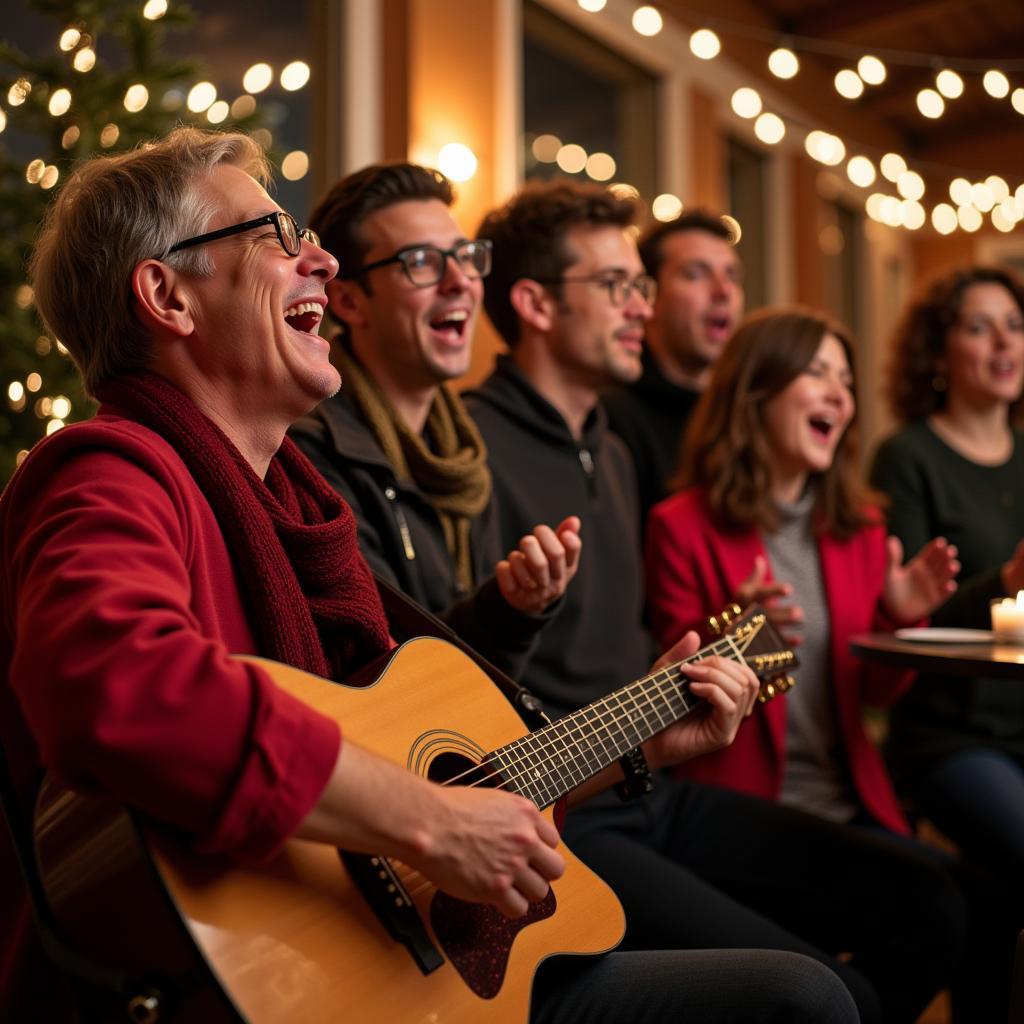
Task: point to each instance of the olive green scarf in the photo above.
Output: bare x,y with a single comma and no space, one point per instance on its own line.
452,474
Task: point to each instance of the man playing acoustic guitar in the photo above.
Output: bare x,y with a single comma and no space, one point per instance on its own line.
146,547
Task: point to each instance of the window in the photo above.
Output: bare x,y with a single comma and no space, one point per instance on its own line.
585,95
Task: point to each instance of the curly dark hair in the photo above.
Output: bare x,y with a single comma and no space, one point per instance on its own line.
338,217
698,219
528,234
725,449
919,342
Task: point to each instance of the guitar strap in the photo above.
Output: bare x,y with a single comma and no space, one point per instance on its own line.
409,619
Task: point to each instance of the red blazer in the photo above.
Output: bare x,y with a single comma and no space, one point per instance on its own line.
694,569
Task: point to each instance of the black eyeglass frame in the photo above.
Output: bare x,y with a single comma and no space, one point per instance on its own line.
610,281
275,218
484,244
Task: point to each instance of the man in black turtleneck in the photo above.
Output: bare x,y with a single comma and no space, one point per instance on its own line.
699,302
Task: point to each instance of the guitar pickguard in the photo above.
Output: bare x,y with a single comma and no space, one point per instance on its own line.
477,939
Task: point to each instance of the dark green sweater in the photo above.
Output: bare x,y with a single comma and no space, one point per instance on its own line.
935,492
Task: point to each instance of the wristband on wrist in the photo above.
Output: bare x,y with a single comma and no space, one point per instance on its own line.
637,775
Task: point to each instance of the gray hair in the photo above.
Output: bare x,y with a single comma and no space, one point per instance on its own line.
113,213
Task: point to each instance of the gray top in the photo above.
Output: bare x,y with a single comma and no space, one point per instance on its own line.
814,778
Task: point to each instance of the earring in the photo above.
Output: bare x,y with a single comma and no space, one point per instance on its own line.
938,382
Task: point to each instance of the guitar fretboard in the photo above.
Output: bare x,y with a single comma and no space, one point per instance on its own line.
545,765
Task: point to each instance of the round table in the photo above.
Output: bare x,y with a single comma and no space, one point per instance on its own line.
1000,661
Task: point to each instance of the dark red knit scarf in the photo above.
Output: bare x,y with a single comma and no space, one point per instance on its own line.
311,596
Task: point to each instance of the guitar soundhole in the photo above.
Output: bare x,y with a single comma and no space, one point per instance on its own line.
458,770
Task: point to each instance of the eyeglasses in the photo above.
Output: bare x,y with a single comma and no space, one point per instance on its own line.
289,234
425,265
618,286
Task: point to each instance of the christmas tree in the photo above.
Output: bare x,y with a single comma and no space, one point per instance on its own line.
101,85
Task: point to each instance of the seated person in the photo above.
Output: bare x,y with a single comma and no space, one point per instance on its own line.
396,442
956,467
179,527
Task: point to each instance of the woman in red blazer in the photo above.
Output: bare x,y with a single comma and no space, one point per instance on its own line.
775,511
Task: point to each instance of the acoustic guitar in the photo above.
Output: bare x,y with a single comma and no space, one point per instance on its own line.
321,934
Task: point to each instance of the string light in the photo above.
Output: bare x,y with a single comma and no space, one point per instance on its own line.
295,75
571,158
69,39
647,20
296,165
871,70
600,166
849,84
257,78
944,219
154,9
200,96
545,148
910,185
84,59
705,44
136,98
592,6
930,103
746,102
458,161
861,171
60,102
949,84
1016,101
960,191
968,218
892,165
770,128
666,207
996,84
783,63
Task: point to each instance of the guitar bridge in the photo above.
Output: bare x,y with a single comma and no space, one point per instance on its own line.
381,888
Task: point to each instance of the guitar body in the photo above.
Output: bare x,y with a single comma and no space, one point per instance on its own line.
297,940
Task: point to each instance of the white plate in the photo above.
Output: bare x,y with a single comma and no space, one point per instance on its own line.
939,635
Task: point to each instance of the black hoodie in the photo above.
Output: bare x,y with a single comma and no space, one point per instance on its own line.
541,473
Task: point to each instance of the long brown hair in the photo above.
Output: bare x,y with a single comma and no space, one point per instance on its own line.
919,343
726,450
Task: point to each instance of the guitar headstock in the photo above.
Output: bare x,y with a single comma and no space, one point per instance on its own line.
749,636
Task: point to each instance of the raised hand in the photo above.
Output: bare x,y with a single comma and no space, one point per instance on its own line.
785,617
913,591
729,690
537,572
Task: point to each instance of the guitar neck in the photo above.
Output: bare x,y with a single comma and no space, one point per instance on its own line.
547,764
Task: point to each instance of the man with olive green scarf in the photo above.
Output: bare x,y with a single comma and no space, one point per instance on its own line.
396,442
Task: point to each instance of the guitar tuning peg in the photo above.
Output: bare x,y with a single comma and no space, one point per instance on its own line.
786,683
767,692
718,624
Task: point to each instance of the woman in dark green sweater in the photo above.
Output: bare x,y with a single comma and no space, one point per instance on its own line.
956,469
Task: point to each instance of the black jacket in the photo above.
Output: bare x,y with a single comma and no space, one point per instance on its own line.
402,538
651,415
542,474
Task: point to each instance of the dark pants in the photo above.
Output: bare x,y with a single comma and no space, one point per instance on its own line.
738,986
698,867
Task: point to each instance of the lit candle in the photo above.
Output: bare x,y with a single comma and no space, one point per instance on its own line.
1008,619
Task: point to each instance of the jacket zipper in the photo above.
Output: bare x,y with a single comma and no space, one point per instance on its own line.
403,525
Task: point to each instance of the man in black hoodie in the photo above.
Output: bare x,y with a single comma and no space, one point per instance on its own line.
694,866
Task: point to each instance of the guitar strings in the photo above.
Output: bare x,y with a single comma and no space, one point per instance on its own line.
547,739
665,681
